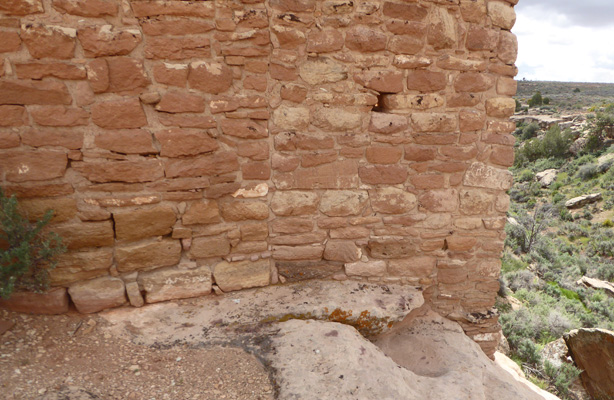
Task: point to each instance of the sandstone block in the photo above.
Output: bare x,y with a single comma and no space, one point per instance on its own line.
383,174
322,70
406,44
9,41
364,39
206,247
507,86
473,10
440,200
64,208
98,294
244,210
383,155
409,102
391,200
179,9
294,5
473,82
426,81
122,114
175,283
210,77
134,294
205,165
77,266
22,7
117,75
230,276
87,8
342,203
55,301
206,212
387,123
442,32
292,225
171,74
337,120
502,14
122,171
85,234
392,247
471,120
460,243
49,41
502,155
476,202
127,141
149,255
366,268
415,267
295,253
33,92
39,70
291,118
482,175
181,142
176,26
143,223
507,48
292,203
324,41
8,139
381,81
244,128
22,166
479,38
105,40
59,116
178,48
433,122
501,107
13,116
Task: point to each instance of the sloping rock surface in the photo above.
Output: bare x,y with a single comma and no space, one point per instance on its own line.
593,352
597,284
581,201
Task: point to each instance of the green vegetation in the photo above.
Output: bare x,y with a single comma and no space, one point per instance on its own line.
550,248
27,253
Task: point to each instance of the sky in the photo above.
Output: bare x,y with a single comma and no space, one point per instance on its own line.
565,40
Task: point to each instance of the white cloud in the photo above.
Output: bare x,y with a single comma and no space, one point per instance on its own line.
552,47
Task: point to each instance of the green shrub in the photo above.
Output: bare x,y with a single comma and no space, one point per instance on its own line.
526,175
530,131
587,172
536,100
29,254
554,144
561,377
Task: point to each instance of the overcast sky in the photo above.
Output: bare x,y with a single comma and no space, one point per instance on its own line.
565,40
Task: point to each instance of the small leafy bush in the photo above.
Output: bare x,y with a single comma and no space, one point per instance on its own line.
588,171
27,254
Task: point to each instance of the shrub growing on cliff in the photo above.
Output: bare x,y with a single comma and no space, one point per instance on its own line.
26,252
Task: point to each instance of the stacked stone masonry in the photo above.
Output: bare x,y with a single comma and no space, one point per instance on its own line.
240,143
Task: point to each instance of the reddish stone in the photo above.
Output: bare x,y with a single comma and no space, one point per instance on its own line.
441,200
70,139
294,5
40,70
33,92
364,39
459,153
98,74
244,210
255,151
177,48
119,114
13,116
381,81
324,41
55,301
59,116
171,74
181,142
284,164
245,129
318,158
129,141
144,222
187,120
406,44
409,12
502,155
283,73
208,165
47,41
294,93
125,75
121,171
428,181
383,174
179,102
21,7
202,213
85,234
412,28
383,155
507,49
479,38
336,175
176,27
8,139
473,82
44,190
210,77
420,153
9,41
463,100
255,82
22,166
87,8
471,120
174,8
64,208
98,294
426,81
256,170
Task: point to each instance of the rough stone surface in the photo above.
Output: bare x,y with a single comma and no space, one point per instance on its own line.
98,294
546,177
55,301
230,276
581,201
179,282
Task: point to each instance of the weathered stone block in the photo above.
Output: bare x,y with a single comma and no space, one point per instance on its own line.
342,203
291,203
482,175
76,266
244,210
98,294
366,268
206,247
230,276
322,70
55,301
391,200
143,223
392,247
206,212
49,41
210,77
149,255
86,234
175,283
106,40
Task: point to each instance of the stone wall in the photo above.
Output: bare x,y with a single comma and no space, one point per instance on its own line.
239,143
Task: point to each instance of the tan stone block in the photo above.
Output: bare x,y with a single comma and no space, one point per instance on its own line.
22,7
342,203
383,174
88,234
460,243
324,41
411,61
123,171
502,203
292,225
148,255
87,8
244,210
441,200
473,10
473,82
119,114
231,276
468,223
322,70
178,48
23,191
144,222
336,175
426,81
405,44
408,102
33,92
77,266
294,253
244,128
366,268
22,166
178,9
502,14
291,118
471,120
46,41
415,267
476,202
175,283
442,31
427,181
134,294
55,301
206,212
408,12
383,155
455,63
392,247
206,247
98,294
337,120
294,93
433,122
502,155
480,38
457,153
183,142
507,48
482,175
391,200
387,123
210,77
506,86
64,208
381,81
292,203
364,39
